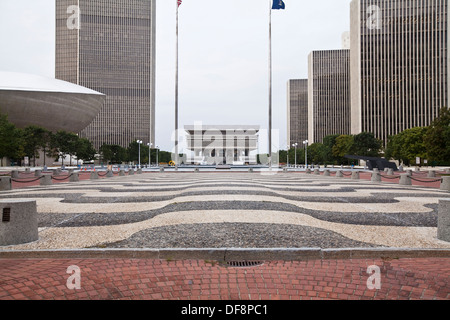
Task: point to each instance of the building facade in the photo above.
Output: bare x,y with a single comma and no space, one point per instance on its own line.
109,46
328,94
297,111
216,145
399,69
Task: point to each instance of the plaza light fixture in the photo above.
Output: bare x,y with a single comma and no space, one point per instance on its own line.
139,144
150,145
288,148
306,152
295,145
157,156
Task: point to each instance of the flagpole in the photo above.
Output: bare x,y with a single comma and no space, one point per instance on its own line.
270,84
176,92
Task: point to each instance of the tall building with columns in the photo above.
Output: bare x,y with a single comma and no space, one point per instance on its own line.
109,46
328,94
399,64
297,111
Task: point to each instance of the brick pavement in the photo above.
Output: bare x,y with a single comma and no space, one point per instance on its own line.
146,279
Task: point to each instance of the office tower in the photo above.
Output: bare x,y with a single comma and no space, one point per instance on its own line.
328,94
399,69
111,49
297,111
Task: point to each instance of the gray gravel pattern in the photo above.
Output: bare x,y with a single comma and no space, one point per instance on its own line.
233,235
376,219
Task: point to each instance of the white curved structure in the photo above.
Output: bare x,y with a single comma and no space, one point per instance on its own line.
46,102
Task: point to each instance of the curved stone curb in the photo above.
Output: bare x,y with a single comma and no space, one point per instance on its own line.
230,254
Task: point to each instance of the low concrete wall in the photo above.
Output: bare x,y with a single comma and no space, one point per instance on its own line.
444,220
5,183
19,222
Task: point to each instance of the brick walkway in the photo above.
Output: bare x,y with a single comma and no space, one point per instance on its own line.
111,279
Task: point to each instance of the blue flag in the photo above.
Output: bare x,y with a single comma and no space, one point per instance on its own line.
278,4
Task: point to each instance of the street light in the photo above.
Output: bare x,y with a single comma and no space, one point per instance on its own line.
149,154
139,143
157,155
306,152
295,145
288,148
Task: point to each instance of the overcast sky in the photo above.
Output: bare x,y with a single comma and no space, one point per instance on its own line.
223,55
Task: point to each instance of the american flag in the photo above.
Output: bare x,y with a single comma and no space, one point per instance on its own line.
179,2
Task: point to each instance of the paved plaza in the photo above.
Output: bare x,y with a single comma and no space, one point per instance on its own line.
121,219
233,210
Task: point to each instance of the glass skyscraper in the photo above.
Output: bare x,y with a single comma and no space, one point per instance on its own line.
111,49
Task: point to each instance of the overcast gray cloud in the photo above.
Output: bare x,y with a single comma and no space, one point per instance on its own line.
223,54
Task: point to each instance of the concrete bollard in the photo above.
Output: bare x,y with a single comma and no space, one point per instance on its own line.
46,180
390,172
308,171
376,177
447,170
405,180
431,174
38,173
5,183
19,223
94,175
139,171
444,220
131,172
339,174
15,174
386,170
110,174
409,172
445,184
317,172
326,173
74,177
197,170
355,175
27,170
121,173
376,170
161,169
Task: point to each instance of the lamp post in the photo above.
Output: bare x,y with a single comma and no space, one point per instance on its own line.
306,152
288,148
149,154
157,156
139,144
295,145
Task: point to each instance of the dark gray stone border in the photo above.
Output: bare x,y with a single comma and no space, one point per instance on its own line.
230,254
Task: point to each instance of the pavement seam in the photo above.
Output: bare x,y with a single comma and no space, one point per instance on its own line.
228,254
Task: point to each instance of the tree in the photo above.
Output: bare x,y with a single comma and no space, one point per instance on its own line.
84,150
365,144
317,153
35,139
11,140
329,142
407,145
114,154
437,138
66,143
342,146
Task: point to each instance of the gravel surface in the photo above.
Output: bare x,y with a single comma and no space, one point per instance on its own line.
109,219
233,235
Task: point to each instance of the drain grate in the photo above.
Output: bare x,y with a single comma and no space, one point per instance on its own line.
244,264
6,216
